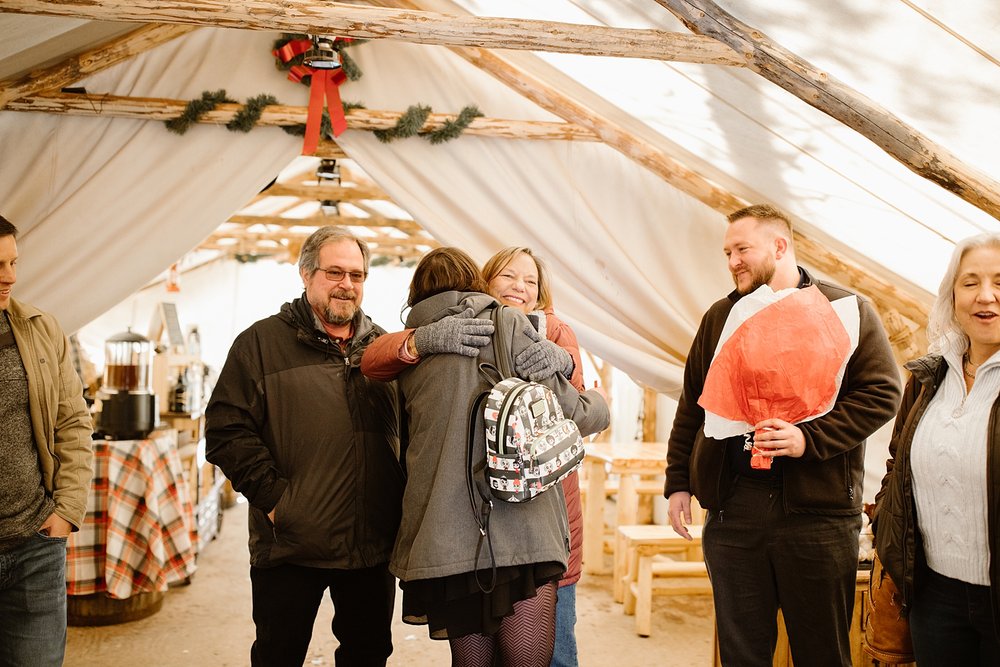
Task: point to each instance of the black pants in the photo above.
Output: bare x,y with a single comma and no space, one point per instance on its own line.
952,624
287,597
760,559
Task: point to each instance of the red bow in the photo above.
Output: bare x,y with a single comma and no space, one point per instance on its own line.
325,85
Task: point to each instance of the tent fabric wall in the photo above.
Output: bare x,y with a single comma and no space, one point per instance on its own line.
105,204
598,219
113,202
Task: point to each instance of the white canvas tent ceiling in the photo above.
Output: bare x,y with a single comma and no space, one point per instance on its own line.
109,202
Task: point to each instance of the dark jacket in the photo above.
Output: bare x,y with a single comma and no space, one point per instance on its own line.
827,478
297,428
897,538
439,535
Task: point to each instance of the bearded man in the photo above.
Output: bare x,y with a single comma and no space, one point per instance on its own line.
783,536
314,447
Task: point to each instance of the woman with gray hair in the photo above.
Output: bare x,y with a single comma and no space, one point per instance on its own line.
937,522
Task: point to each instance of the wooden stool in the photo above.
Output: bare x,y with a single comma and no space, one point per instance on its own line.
659,539
664,577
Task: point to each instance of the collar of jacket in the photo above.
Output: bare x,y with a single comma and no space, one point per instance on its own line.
299,314
21,309
805,280
443,304
929,369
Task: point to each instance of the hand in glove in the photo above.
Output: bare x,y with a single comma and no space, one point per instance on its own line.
453,335
542,359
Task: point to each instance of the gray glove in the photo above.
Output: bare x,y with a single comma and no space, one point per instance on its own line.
453,335
542,359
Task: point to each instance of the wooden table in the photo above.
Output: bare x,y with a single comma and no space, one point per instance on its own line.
138,535
630,460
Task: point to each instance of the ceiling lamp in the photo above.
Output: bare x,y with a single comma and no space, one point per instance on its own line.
321,54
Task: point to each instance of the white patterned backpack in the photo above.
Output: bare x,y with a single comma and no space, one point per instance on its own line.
530,445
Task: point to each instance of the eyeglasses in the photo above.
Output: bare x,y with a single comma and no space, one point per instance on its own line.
336,275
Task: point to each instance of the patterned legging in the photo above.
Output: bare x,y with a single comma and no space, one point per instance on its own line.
525,637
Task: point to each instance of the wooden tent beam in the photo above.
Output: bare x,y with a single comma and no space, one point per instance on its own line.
147,108
680,176
838,100
90,62
336,193
334,18
408,226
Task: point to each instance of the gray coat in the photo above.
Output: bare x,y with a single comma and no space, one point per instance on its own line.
438,535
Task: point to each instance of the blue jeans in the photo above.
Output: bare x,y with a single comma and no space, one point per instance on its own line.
33,603
952,623
564,653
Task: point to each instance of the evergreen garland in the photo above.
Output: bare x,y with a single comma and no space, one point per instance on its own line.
195,109
408,124
453,128
247,117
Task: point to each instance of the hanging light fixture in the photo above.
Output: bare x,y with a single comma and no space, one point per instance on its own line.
329,207
321,55
328,170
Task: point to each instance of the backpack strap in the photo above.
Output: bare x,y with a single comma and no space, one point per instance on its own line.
501,346
482,512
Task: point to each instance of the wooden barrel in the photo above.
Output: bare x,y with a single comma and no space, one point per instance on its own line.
99,609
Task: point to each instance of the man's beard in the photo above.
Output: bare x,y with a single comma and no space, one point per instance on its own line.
759,275
346,312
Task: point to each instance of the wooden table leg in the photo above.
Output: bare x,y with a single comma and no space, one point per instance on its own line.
628,501
593,520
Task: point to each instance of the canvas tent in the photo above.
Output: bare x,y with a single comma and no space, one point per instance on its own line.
629,211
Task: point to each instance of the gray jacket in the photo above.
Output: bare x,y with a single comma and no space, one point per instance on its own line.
438,535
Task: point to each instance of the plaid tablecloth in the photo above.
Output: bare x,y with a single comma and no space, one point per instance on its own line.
139,532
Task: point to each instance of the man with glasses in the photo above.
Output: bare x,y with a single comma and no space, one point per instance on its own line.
314,447
45,471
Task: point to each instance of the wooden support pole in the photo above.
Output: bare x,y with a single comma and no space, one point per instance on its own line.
149,108
334,18
90,62
836,99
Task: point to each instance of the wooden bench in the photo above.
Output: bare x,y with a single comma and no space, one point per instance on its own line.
657,539
658,575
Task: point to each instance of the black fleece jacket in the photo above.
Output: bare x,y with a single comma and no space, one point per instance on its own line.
827,479
298,429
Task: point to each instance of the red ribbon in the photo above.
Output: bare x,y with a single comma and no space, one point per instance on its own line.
325,86
295,47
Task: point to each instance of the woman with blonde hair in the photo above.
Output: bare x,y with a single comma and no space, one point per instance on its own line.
937,519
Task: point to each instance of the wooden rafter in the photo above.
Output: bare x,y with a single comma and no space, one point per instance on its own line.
318,17
148,108
834,98
90,62
322,192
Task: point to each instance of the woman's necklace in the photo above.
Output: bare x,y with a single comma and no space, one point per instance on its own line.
966,362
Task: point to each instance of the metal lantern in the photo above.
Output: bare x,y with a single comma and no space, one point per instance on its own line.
321,55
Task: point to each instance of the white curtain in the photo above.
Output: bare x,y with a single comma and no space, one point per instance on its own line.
634,262
105,204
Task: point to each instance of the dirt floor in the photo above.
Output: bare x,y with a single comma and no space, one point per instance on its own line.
208,623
